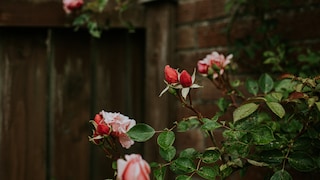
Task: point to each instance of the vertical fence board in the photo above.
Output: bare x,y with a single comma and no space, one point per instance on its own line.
71,105
23,98
118,72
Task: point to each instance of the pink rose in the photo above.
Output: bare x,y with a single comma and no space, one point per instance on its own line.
120,125
71,5
215,60
171,75
134,168
202,67
185,79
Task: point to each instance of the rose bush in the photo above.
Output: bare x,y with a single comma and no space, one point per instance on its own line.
275,124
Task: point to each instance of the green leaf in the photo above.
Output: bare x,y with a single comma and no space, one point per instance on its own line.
190,123
286,85
222,104
183,177
244,111
256,163
210,156
265,83
208,172
167,154
302,161
182,165
262,135
276,108
189,153
318,105
166,139
141,132
281,175
272,157
209,125
160,173
252,86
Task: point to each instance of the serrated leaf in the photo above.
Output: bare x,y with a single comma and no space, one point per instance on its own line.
244,111
141,132
166,139
208,172
276,108
265,83
281,175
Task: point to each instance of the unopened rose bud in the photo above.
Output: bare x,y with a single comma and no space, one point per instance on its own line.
171,75
185,79
71,5
202,67
103,129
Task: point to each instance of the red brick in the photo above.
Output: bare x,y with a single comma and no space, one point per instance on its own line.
209,9
185,37
185,12
211,35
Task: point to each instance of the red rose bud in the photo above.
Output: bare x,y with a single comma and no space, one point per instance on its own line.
103,129
202,67
98,118
185,79
170,74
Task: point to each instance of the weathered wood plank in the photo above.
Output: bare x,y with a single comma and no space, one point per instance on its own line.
159,52
47,13
71,78
23,104
118,72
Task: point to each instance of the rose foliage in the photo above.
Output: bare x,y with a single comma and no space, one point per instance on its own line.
274,123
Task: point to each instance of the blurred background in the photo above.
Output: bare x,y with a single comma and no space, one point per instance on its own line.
54,79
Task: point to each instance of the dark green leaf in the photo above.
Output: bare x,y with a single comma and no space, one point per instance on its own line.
262,135
244,111
252,86
183,177
188,124
209,125
222,104
166,139
189,153
167,154
265,83
272,157
141,132
210,156
160,173
208,172
302,161
182,165
281,175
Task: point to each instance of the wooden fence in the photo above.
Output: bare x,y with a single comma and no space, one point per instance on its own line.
52,82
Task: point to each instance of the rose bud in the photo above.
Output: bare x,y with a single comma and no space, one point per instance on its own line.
71,5
171,75
202,67
185,79
133,168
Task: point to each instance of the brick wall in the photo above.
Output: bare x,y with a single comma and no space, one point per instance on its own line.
200,29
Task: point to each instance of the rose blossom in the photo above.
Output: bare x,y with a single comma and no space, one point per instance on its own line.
215,61
120,125
71,5
185,79
134,168
170,74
